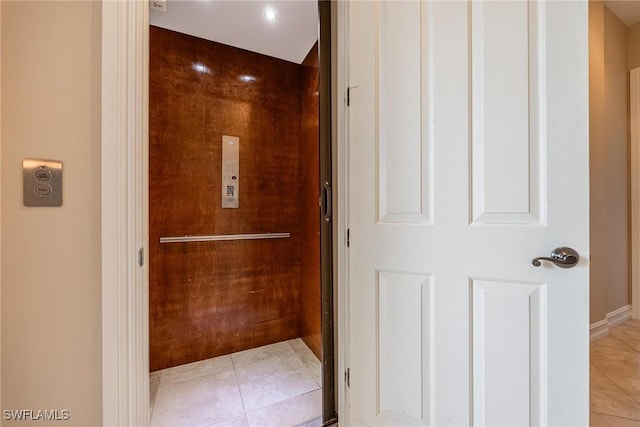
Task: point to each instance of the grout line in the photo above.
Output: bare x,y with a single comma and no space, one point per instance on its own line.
244,408
200,376
616,385
624,343
623,390
615,416
613,381
280,402
163,384
154,395
233,364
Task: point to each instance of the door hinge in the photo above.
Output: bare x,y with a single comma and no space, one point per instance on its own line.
141,257
348,237
347,377
349,94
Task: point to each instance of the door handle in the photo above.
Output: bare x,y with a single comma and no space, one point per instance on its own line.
327,202
562,257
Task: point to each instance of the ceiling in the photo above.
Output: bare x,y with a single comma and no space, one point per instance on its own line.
242,24
627,10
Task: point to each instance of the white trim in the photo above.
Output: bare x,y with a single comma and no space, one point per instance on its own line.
619,316
340,72
634,124
598,330
125,331
125,305
601,328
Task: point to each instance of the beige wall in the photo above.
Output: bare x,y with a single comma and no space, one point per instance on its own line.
609,161
0,207
51,306
633,40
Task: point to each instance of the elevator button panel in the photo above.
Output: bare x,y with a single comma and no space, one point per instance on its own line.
42,182
230,171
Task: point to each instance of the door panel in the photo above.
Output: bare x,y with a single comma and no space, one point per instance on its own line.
506,56
403,299
502,313
468,157
402,114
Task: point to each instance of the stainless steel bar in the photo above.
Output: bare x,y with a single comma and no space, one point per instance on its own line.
187,239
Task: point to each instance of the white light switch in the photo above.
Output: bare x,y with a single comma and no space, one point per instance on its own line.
230,171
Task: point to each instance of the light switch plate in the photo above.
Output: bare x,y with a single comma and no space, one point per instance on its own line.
42,182
160,5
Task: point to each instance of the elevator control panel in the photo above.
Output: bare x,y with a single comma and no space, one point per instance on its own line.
42,182
230,171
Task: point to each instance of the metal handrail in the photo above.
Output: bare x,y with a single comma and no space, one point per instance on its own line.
216,237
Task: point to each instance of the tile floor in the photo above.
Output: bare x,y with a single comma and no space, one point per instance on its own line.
615,377
275,385
280,385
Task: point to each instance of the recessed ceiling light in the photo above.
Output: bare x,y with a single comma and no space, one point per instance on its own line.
270,14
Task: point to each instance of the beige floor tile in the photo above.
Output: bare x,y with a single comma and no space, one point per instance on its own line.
612,357
609,355
240,421
258,354
600,381
610,345
629,335
291,412
154,384
272,380
198,402
634,323
604,420
615,377
196,369
630,385
217,392
309,359
614,402
616,368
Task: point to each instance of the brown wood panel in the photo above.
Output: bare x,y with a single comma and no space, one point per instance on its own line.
213,298
310,321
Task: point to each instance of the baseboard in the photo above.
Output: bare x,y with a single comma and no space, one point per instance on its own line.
619,316
601,328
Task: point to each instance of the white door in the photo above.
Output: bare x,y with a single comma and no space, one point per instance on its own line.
468,157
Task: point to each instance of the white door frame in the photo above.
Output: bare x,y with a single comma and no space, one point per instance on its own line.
340,130
634,117
125,307
125,285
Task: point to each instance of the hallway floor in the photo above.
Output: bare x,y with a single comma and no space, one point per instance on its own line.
274,385
615,377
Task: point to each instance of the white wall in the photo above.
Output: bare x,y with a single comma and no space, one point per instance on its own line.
50,257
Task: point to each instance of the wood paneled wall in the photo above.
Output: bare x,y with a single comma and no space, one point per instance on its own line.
214,298
310,326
